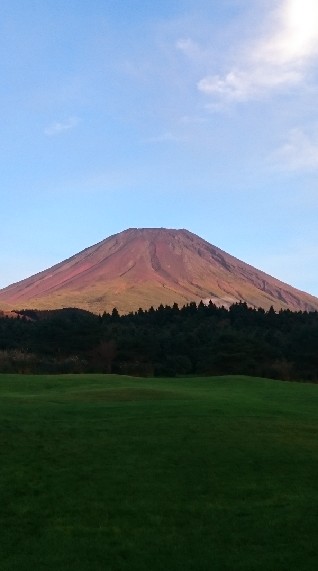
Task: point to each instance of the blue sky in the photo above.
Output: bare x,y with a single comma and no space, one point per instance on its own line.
191,114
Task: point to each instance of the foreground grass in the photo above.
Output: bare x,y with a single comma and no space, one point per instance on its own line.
114,473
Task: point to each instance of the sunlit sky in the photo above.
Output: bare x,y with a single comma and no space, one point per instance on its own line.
194,114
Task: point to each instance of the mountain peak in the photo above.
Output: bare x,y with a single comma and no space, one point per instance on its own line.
140,267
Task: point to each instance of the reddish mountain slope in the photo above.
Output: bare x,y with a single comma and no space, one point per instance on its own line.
144,267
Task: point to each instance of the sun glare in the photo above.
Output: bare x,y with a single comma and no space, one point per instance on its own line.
302,26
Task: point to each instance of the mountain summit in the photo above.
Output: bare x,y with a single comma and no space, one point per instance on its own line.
141,267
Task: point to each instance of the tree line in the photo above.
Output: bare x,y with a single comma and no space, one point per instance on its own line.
196,339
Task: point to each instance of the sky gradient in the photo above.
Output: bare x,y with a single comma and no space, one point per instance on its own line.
180,113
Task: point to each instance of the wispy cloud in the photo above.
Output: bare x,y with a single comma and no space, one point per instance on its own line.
299,152
59,127
190,49
280,59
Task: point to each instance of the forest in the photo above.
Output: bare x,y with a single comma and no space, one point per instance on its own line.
195,339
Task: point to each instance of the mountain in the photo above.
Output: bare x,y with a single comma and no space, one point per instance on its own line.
149,266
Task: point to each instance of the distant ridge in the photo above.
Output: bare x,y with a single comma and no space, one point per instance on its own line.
140,267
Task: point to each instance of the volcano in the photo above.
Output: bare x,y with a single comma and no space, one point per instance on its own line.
141,267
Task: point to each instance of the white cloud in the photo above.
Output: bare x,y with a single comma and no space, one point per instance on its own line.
278,60
59,127
299,152
240,85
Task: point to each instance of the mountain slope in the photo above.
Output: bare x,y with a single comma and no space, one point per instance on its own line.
144,267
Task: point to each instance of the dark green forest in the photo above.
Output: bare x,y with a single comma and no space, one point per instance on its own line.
196,339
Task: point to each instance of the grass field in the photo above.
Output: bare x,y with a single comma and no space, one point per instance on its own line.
114,473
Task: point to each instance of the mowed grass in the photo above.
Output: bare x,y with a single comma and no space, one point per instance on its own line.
117,473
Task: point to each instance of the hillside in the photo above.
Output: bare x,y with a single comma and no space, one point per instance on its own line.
144,267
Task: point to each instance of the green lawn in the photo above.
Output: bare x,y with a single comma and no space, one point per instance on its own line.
115,473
